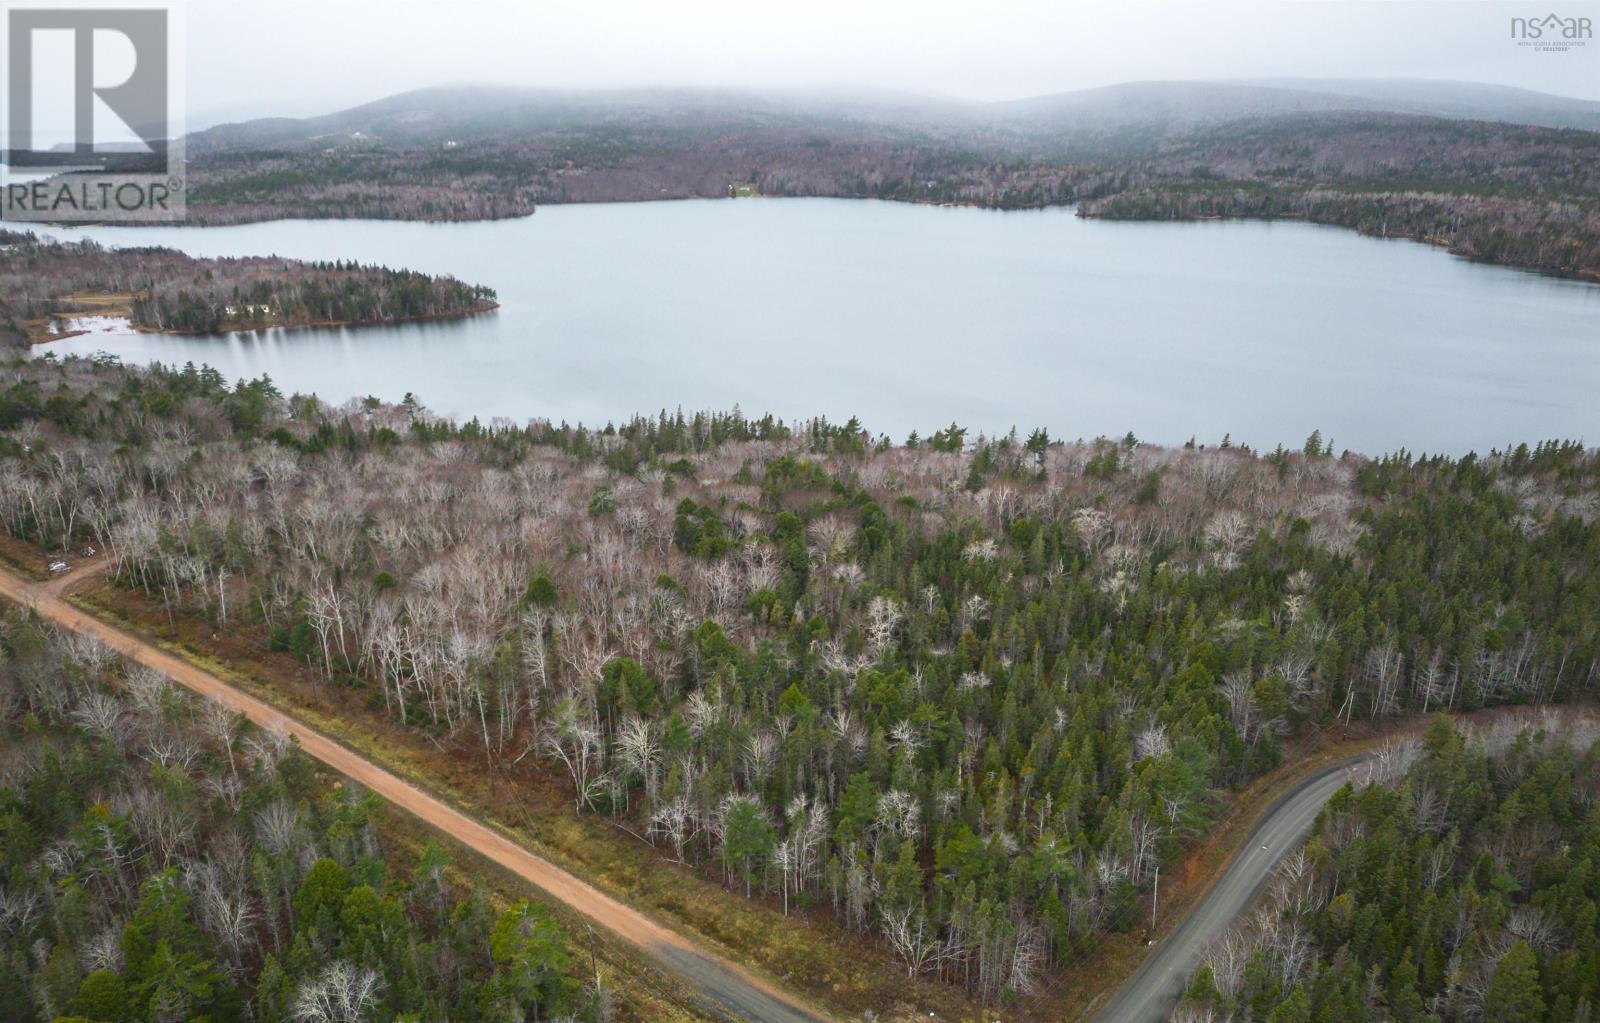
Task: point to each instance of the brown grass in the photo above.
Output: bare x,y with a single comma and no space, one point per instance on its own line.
80,303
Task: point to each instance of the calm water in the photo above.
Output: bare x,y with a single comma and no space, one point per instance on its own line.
913,316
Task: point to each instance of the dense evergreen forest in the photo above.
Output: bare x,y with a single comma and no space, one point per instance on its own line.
1465,889
163,289
966,692
161,861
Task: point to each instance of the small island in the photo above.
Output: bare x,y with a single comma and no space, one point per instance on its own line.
47,287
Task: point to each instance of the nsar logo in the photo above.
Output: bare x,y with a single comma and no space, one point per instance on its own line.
1552,32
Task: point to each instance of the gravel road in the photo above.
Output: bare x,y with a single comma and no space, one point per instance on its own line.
1150,994
722,985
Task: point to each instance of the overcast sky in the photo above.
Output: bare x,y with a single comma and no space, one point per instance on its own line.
251,58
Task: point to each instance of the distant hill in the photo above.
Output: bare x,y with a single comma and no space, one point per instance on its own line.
1174,103
1180,103
1464,100
1502,175
481,112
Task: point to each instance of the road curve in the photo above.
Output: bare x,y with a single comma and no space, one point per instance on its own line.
723,985
1154,988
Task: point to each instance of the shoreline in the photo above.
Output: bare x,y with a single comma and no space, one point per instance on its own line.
1584,274
39,342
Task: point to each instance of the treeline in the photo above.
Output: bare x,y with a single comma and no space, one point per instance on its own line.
368,183
162,861
968,692
1466,889
162,289
407,164
1498,193
493,179
13,333
1555,237
1503,193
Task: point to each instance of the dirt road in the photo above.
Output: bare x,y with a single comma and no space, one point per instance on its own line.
724,985
1153,990
1155,986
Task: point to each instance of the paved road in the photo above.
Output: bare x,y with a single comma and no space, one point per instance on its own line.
1150,994
722,984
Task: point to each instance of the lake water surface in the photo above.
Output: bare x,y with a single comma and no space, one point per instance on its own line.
914,316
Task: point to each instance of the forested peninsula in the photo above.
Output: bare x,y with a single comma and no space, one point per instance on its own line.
46,285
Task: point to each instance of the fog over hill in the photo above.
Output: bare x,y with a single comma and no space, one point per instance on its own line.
1177,103
486,111
1470,100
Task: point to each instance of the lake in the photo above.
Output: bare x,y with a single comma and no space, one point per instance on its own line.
915,316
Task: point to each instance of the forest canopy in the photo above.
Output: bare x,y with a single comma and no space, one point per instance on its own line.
161,860
968,693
